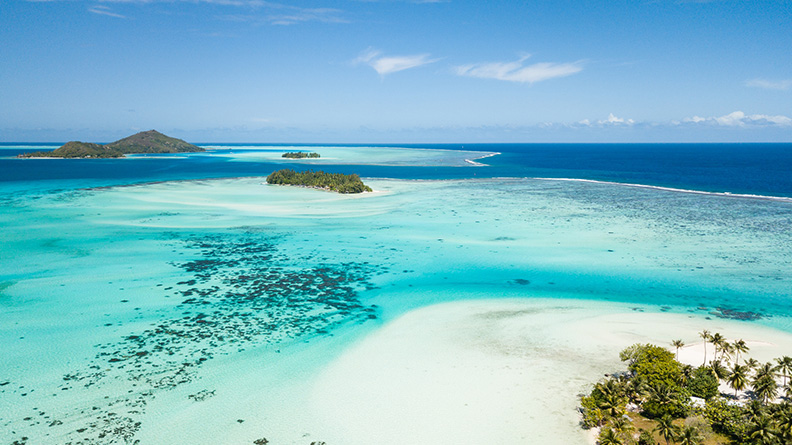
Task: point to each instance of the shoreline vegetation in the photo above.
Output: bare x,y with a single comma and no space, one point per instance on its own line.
300,155
145,142
730,399
336,182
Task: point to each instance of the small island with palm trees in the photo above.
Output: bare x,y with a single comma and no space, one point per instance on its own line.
300,155
728,399
336,182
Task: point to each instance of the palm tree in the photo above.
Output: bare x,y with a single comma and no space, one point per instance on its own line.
717,341
666,428
622,426
677,344
609,437
738,379
687,372
727,349
785,424
785,366
765,388
705,335
613,399
721,372
752,363
634,389
690,435
664,395
761,431
766,370
740,348
753,410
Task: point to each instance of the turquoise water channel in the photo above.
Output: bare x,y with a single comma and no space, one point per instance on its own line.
115,297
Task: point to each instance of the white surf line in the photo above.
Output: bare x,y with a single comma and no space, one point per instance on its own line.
479,164
671,189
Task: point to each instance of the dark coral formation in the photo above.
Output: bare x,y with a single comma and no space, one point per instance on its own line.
240,291
723,312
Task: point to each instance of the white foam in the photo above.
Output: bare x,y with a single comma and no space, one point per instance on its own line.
671,189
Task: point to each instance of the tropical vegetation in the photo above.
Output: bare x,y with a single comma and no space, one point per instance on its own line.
76,149
659,400
153,141
336,182
146,142
299,155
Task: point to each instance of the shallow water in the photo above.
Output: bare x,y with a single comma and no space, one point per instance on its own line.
127,310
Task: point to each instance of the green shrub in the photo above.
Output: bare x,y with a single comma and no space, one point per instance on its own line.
703,383
653,365
726,419
646,438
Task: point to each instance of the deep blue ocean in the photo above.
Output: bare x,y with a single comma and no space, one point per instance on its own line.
755,168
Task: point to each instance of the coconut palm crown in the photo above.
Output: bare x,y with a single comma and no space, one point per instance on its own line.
784,366
677,344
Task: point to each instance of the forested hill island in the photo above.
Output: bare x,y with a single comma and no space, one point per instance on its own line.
147,142
336,182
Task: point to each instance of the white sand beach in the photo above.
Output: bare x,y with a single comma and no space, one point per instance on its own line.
496,371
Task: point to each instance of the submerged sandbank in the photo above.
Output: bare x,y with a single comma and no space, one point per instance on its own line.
494,371
355,155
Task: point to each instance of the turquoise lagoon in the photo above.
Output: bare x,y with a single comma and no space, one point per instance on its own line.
195,309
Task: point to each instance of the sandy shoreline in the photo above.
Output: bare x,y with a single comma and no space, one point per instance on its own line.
495,371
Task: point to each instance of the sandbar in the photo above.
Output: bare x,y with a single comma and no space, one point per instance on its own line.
495,371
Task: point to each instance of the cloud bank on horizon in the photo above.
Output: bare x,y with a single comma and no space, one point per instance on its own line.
740,119
647,71
733,119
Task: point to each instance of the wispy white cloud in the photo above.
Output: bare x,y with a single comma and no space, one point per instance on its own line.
739,119
404,1
302,15
782,85
384,65
682,2
261,11
288,15
251,3
517,72
104,10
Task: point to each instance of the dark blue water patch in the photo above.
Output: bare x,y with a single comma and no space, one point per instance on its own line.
760,169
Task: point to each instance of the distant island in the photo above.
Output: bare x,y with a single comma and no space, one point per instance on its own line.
336,182
299,155
150,141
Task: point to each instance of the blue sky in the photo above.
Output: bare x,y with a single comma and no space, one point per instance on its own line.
397,71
